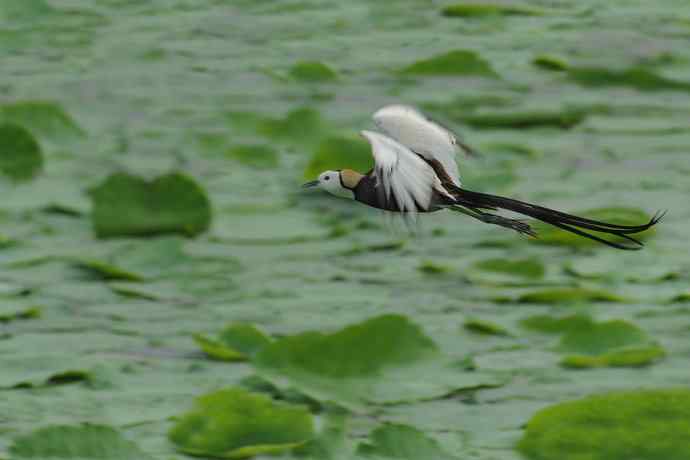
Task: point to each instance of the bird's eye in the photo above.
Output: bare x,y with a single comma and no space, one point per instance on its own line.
327,178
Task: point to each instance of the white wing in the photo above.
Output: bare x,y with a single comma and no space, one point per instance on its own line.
404,176
414,130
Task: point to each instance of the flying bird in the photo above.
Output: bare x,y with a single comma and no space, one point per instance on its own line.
415,172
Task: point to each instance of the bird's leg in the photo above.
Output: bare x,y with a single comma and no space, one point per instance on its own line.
513,224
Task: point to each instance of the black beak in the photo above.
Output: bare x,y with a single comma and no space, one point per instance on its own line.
312,183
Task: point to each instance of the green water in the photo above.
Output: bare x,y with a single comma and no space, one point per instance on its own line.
180,85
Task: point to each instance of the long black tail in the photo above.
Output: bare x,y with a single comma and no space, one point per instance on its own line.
567,222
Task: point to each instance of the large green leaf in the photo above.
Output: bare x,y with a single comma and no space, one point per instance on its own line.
236,342
92,442
233,423
126,205
47,120
21,157
457,62
644,425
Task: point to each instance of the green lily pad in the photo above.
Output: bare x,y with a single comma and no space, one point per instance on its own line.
569,295
233,423
453,63
300,126
640,78
624,216
548,62
11,313
502,271
431,268
126,205
565,118
237,342
312,71
644,425
484,327
46,120
340,153
599,338
21,157
628,357
473,10
376,361
256,156
401,442
556,325
93,442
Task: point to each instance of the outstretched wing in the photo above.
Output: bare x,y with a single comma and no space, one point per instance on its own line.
403,176
422,135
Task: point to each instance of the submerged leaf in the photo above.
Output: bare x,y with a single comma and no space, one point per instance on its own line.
93,442
237,342
458,63
312,71
234,423
472,10
126,205
21,157
569,295
401,442
644,425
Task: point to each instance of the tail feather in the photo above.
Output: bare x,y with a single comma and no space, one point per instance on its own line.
567,222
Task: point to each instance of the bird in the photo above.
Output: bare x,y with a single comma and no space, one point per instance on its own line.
415,171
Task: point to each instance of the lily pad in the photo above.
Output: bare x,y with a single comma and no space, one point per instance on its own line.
569,295
485,327
599,338
21,157
233,423
536,118
237,342
46,120
556,325
376,361
502,271
312,71
300,126
127,205
93,442
473,10
431,268
644,425
639,78
340,153
629,357
548,62
11,313
453,63
624,216
401,442
256,156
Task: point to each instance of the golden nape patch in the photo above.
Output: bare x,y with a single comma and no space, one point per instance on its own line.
350,178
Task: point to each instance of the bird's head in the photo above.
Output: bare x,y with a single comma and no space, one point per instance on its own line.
338,183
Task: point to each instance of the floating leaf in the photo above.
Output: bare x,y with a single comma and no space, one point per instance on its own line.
504,270
312,71
339,153
401,442
550,62
644,425
237,342
298,125
639,78
598,338
458,62
432,268
46,120
377,360
10,313
623,216
565,119
569,295
256,156
628,357
93,442
556,325
126,205
484,327
234,423
21,157
473,10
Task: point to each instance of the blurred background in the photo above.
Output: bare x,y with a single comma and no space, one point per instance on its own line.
156,245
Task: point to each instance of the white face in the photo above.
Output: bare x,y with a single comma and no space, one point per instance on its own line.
330,182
